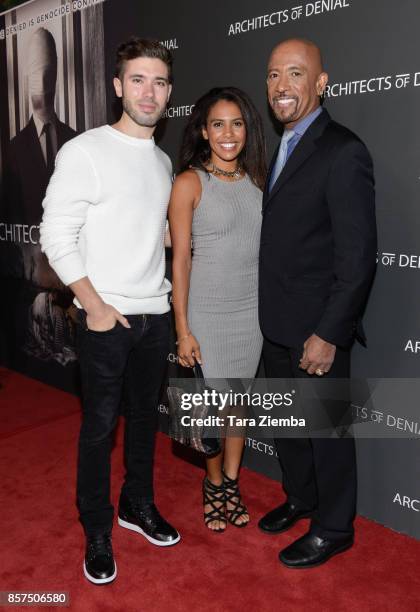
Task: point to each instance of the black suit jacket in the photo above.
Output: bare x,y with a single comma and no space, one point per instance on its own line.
26,175
318,239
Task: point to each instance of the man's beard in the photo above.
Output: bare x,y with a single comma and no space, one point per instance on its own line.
142,119
281,113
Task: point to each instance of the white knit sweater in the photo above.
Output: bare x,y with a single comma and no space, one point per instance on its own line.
104,217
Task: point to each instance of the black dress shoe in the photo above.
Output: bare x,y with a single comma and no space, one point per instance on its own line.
282,518
312,550
99,566
144,518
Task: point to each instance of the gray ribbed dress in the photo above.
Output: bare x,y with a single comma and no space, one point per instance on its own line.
223,298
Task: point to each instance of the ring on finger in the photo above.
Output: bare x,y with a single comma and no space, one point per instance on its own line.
319,372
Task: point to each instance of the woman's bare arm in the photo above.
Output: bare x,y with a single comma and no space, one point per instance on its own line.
186,193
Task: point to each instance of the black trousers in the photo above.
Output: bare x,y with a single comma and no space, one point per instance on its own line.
318,473
119,366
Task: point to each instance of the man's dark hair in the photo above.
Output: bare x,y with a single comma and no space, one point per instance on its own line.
141,47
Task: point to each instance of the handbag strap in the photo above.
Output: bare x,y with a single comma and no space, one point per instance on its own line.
198,372
200,383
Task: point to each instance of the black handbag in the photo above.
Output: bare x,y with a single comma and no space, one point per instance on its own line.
201,438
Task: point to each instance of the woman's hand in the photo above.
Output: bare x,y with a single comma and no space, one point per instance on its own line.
189,351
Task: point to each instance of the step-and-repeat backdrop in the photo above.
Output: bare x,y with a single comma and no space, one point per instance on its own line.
63,53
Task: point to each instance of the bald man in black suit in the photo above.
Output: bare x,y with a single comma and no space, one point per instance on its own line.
317,262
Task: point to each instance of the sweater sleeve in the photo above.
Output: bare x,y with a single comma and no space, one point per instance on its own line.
73,187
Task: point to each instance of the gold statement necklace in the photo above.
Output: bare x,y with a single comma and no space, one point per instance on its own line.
235,174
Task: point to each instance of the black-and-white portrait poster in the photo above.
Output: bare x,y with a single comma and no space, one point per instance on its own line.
54,63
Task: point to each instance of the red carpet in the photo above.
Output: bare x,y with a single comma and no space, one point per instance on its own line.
26,403
42,544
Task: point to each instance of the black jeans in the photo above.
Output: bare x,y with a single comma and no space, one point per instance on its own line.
119,366
318,473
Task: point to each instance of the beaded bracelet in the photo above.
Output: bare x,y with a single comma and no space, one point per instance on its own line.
183,338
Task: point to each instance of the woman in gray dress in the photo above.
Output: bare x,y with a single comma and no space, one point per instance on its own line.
216,202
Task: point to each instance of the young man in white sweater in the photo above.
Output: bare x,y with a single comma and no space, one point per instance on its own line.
103,232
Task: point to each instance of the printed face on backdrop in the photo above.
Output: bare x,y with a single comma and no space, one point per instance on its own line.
144,89
41,69
295,80
225,130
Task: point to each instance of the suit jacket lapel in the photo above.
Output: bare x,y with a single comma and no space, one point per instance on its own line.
61,134
304,149
270,170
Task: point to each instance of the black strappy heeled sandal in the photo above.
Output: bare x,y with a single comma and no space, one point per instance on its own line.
214,496
233,497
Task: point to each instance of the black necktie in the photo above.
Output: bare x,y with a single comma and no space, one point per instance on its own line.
49,148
